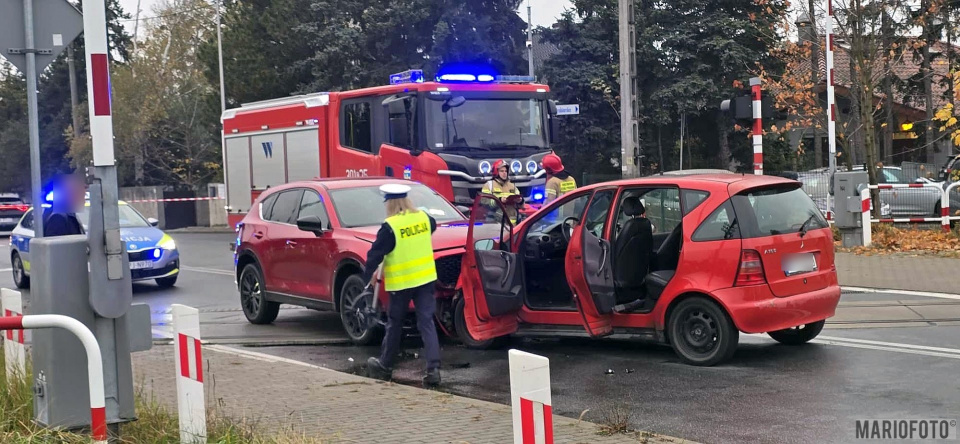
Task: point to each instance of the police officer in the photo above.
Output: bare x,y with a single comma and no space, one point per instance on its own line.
404,246
501,187
559,182
67,196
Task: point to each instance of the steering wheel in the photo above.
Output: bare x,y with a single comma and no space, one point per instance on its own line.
567,228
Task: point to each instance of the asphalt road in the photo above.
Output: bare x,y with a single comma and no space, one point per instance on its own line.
884,356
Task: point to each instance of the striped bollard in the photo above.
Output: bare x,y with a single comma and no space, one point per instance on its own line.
865,216
530,398
189,364
757,94
13,340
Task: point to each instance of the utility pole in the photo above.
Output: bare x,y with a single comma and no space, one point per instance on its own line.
223,97
629,127
530,38
74,97
32,120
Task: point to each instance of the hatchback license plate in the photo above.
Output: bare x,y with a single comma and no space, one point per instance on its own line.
8,220
140,265
799,263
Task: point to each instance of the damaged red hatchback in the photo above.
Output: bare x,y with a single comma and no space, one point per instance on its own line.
687,260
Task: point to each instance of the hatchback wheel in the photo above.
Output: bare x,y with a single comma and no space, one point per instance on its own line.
463,334
798,335
701,333
353,312
20,278
256,307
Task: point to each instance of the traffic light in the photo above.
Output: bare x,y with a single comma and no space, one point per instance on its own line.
740,109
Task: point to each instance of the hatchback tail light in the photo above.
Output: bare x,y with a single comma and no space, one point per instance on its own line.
751,269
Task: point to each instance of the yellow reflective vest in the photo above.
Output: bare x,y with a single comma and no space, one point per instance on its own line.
557,187
410,264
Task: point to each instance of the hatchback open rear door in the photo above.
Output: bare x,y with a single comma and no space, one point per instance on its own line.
493,283
590,276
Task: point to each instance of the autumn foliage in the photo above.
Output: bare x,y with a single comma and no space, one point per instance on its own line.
888,239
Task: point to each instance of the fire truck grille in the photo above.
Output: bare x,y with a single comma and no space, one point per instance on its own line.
448,269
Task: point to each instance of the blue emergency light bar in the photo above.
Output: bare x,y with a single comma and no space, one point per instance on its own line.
408,76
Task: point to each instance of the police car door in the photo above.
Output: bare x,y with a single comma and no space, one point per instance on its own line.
589,265
493,284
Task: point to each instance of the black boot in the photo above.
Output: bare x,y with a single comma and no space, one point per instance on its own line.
376,369
432,378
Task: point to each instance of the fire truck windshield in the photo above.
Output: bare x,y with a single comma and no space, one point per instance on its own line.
459,124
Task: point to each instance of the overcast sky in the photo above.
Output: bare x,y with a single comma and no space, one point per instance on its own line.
545,12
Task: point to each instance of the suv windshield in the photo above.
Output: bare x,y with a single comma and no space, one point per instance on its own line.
129,217
363,207
485,124
778,210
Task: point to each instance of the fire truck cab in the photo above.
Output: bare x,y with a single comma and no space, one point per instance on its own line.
445,134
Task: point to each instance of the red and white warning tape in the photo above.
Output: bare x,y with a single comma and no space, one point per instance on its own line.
176,199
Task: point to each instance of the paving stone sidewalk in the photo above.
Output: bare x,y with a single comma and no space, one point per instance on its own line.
900,272
280,394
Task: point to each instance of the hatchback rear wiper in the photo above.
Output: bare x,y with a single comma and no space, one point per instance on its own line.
803,226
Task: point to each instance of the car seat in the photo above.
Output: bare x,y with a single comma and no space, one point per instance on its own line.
632,252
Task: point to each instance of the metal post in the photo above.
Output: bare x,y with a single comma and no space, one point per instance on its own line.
629,128
34,126
74,95
223,96
530,38
757,93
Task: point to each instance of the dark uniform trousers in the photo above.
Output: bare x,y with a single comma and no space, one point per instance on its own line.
426,306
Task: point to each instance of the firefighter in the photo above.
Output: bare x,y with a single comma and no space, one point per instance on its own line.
67,195
559,182
501,187
404,246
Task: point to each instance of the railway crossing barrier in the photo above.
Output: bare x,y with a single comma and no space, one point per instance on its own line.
98,413
944,218
530,398
189,365
14,350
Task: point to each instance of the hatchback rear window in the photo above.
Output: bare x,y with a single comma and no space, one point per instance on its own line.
776,210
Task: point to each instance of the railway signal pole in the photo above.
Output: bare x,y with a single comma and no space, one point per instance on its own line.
629,101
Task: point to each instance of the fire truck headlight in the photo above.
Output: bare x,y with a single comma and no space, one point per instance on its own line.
485,168
531,167
515,167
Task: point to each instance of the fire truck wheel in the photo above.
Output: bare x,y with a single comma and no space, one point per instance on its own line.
253,297
701,333
20,278
460,324
798,335
353,307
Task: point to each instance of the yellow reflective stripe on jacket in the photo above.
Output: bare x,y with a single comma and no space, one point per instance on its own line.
567,185
500,191
411,263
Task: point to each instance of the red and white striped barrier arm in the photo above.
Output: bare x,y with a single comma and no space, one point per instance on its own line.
176,199
944,217
831,93
14,351
757,126
189,365
530,398
98,81
98,413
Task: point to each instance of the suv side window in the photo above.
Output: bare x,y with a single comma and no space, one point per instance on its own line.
267,206
286,208
355,126
312,205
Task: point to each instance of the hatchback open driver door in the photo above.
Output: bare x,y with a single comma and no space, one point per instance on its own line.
493,283
589,267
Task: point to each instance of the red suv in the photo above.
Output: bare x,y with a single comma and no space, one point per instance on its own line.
712,256
305,243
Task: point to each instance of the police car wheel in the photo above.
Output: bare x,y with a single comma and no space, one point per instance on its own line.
798,335
463,334
20,278
253,297
168,281
352,311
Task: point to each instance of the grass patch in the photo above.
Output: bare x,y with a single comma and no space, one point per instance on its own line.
155,425
614,421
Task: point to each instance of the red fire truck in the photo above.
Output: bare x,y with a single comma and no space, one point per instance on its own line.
445,134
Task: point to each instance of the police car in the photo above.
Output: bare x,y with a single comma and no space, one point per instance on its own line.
153,254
